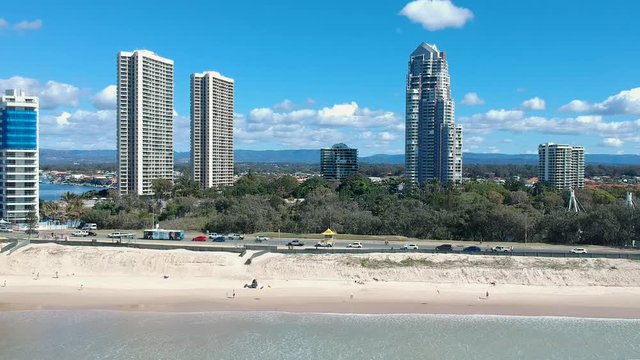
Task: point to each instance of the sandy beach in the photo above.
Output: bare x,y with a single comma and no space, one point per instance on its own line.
186,281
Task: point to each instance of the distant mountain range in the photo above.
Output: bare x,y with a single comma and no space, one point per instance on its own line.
68,157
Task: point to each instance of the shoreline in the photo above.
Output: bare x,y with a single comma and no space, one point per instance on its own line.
594,302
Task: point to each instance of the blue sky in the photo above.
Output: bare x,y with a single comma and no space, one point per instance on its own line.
310,74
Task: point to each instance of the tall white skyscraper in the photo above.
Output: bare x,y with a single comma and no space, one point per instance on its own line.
19,186
433,143
561,165
145,120
212,129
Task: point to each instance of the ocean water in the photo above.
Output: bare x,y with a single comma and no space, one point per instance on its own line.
51,192
141,335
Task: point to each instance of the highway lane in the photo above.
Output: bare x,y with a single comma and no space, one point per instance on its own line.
367,244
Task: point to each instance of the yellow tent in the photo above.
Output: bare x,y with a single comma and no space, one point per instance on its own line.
329,234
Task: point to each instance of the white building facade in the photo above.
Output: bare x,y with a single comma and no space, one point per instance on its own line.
433,143
212,104
561,165
145,120
19,167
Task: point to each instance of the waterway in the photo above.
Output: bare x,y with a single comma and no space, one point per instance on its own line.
50,192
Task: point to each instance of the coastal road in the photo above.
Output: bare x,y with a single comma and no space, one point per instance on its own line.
372,244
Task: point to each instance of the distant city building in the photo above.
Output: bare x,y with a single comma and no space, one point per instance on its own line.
19,185
338,162
561,166
145,120
433,143
212,129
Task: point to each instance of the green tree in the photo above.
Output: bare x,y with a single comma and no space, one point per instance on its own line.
162,188
32,222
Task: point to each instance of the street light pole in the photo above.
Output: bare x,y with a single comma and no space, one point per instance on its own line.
526,226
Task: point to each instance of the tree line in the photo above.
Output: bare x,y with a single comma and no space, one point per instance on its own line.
478,211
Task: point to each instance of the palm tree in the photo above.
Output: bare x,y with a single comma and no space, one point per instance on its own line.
74,208
50,209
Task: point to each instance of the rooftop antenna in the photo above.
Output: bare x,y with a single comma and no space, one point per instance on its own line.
574,205
629,200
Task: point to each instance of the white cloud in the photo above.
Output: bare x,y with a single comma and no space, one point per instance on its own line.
310,128
474,140
105,99
535,103
81,129
472,143
612,142
51,95
471,99
350,114
62,120
514,121
493,150
625,102
575,106
3,23
387,136
285,104
436,14
29,25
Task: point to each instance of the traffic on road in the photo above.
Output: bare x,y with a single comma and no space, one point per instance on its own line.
178,238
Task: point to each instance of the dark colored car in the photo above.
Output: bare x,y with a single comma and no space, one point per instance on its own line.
295,243
200,238
472,249
218,239
444,247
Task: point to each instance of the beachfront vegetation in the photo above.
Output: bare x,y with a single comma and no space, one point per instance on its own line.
479,211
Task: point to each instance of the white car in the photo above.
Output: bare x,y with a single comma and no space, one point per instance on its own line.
579,251
80,233
6,229
501,249
356,245
324,244
410,247
261,238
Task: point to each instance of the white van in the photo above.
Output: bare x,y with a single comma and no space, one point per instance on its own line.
90,226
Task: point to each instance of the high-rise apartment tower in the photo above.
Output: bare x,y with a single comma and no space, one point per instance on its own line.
19,186
561,166
145,121
433,143
338,162
212,129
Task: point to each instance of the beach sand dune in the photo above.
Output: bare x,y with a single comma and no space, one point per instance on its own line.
181,280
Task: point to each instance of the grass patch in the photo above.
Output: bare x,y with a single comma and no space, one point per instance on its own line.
369,263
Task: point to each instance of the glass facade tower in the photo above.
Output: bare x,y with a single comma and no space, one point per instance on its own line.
19,186
433,143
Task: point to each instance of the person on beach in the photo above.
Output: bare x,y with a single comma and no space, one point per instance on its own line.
487,294
234,293
81,287
56,275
